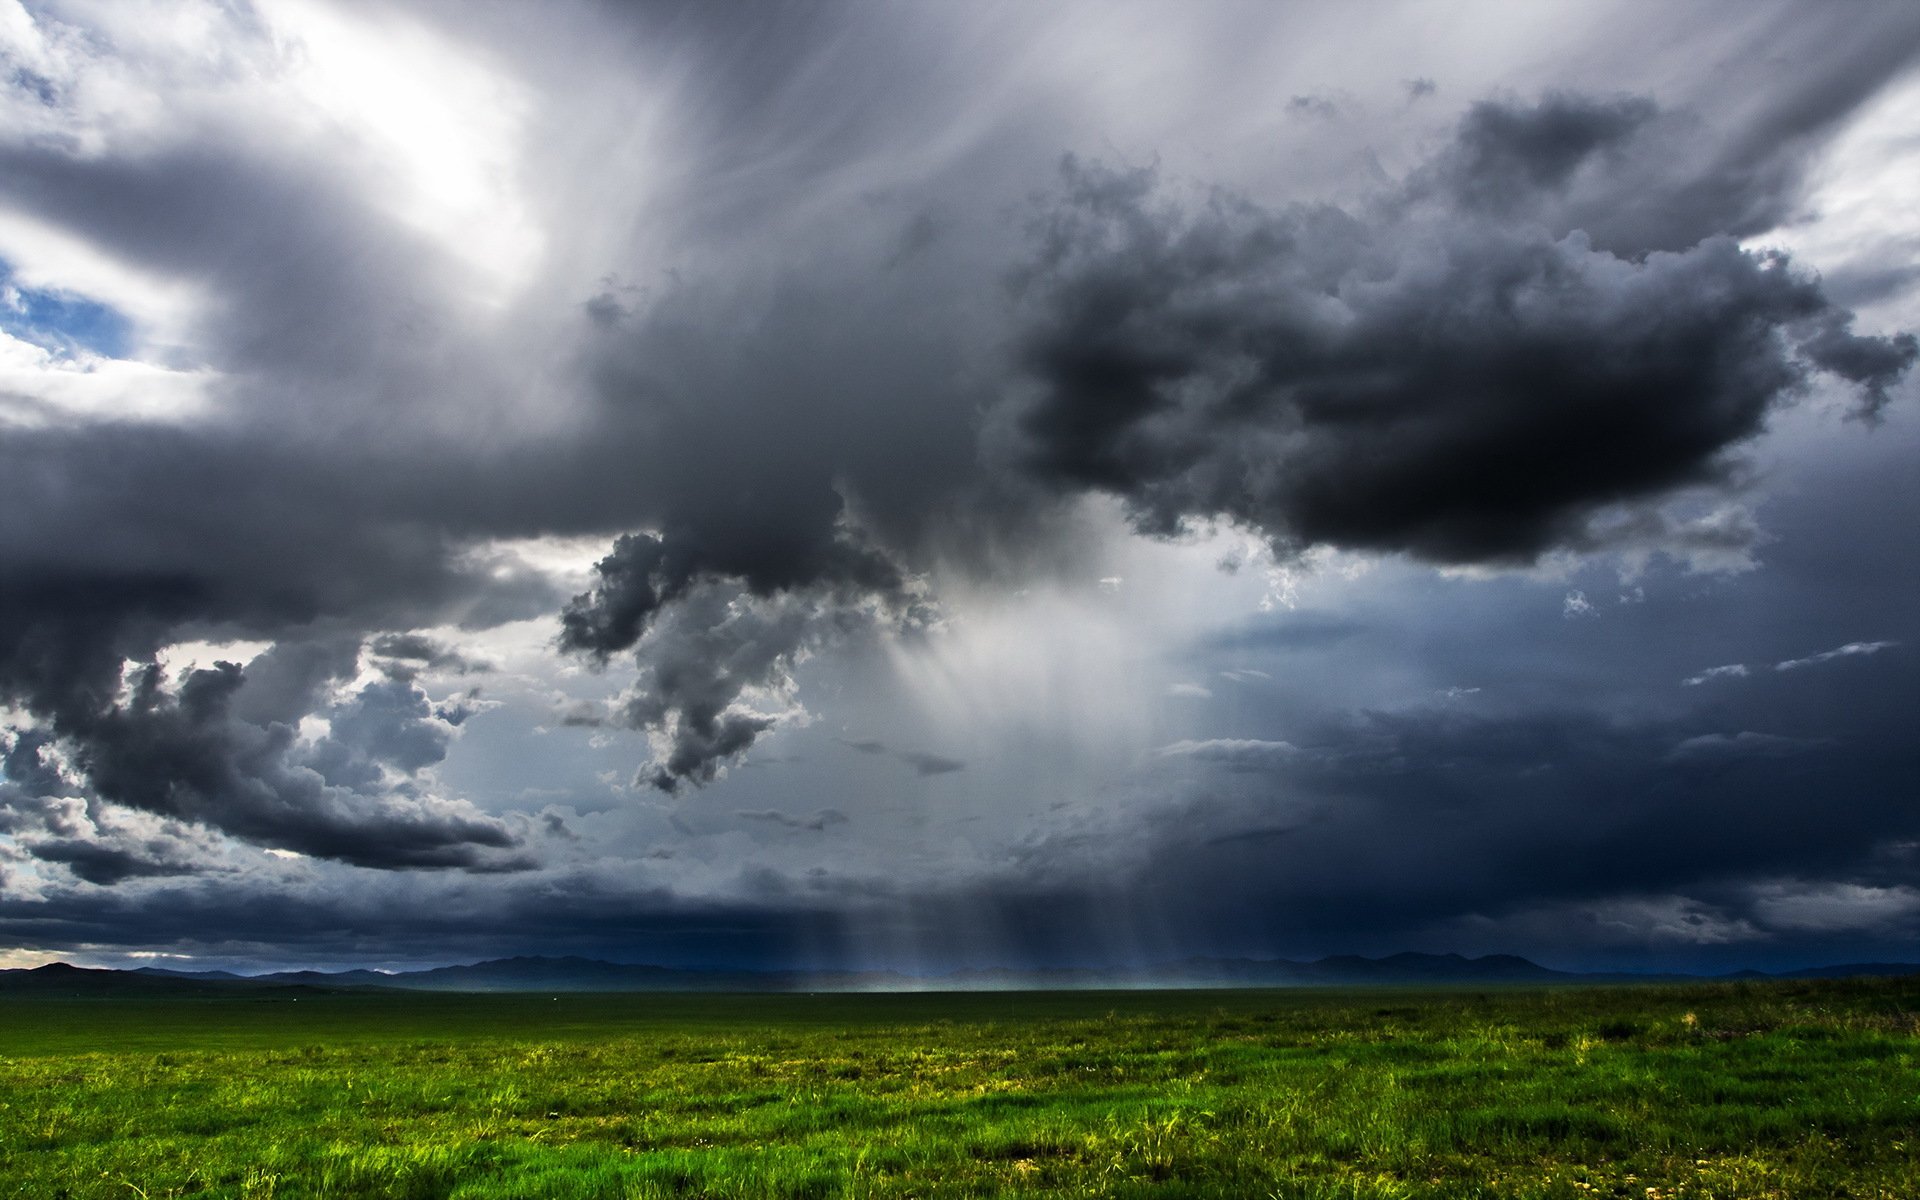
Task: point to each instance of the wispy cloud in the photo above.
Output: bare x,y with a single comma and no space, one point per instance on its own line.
1850,650
816,823
1730,671
1745,744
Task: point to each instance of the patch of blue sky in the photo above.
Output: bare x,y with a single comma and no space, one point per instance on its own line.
64,323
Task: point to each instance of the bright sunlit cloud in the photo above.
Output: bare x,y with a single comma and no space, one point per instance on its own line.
440,129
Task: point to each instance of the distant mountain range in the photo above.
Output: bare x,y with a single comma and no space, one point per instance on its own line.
593,975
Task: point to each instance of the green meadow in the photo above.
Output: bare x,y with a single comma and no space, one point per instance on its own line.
1655,1092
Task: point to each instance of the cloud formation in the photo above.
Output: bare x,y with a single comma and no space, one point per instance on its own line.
716,629
1850,650
700,385
221,748
1454,372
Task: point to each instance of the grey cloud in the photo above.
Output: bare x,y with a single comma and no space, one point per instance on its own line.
922,762
817,822
1836,907
1317,107
1505,157
221,750
392,724
106,864
412,651
1290,630
1637,178
793,403
1399,821
925,764
1285,370
706,637
584,716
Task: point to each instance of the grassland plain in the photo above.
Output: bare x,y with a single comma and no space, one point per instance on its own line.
1656,1093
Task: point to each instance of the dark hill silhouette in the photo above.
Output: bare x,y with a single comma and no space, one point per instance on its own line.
573,974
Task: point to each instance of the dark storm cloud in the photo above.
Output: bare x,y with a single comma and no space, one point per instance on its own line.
105,864
711,623
1507,158
1439,375
580,914
1637,177
1380,824
192,753
162,530
792,403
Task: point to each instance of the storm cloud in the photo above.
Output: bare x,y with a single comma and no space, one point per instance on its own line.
1442,375
1132,484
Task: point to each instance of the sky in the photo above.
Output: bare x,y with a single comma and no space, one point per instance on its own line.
929,486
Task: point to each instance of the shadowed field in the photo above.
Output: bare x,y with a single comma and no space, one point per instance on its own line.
1723,1090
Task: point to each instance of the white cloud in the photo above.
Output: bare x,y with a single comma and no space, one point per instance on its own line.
1231,751
1730,671
1745,744
443,126
39,387
1850,650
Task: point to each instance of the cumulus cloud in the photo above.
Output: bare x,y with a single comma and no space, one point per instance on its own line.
1455,372
221,748
717,630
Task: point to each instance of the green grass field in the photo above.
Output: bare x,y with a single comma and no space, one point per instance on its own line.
1725,1090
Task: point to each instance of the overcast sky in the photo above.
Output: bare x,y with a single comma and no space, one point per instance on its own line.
925,485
